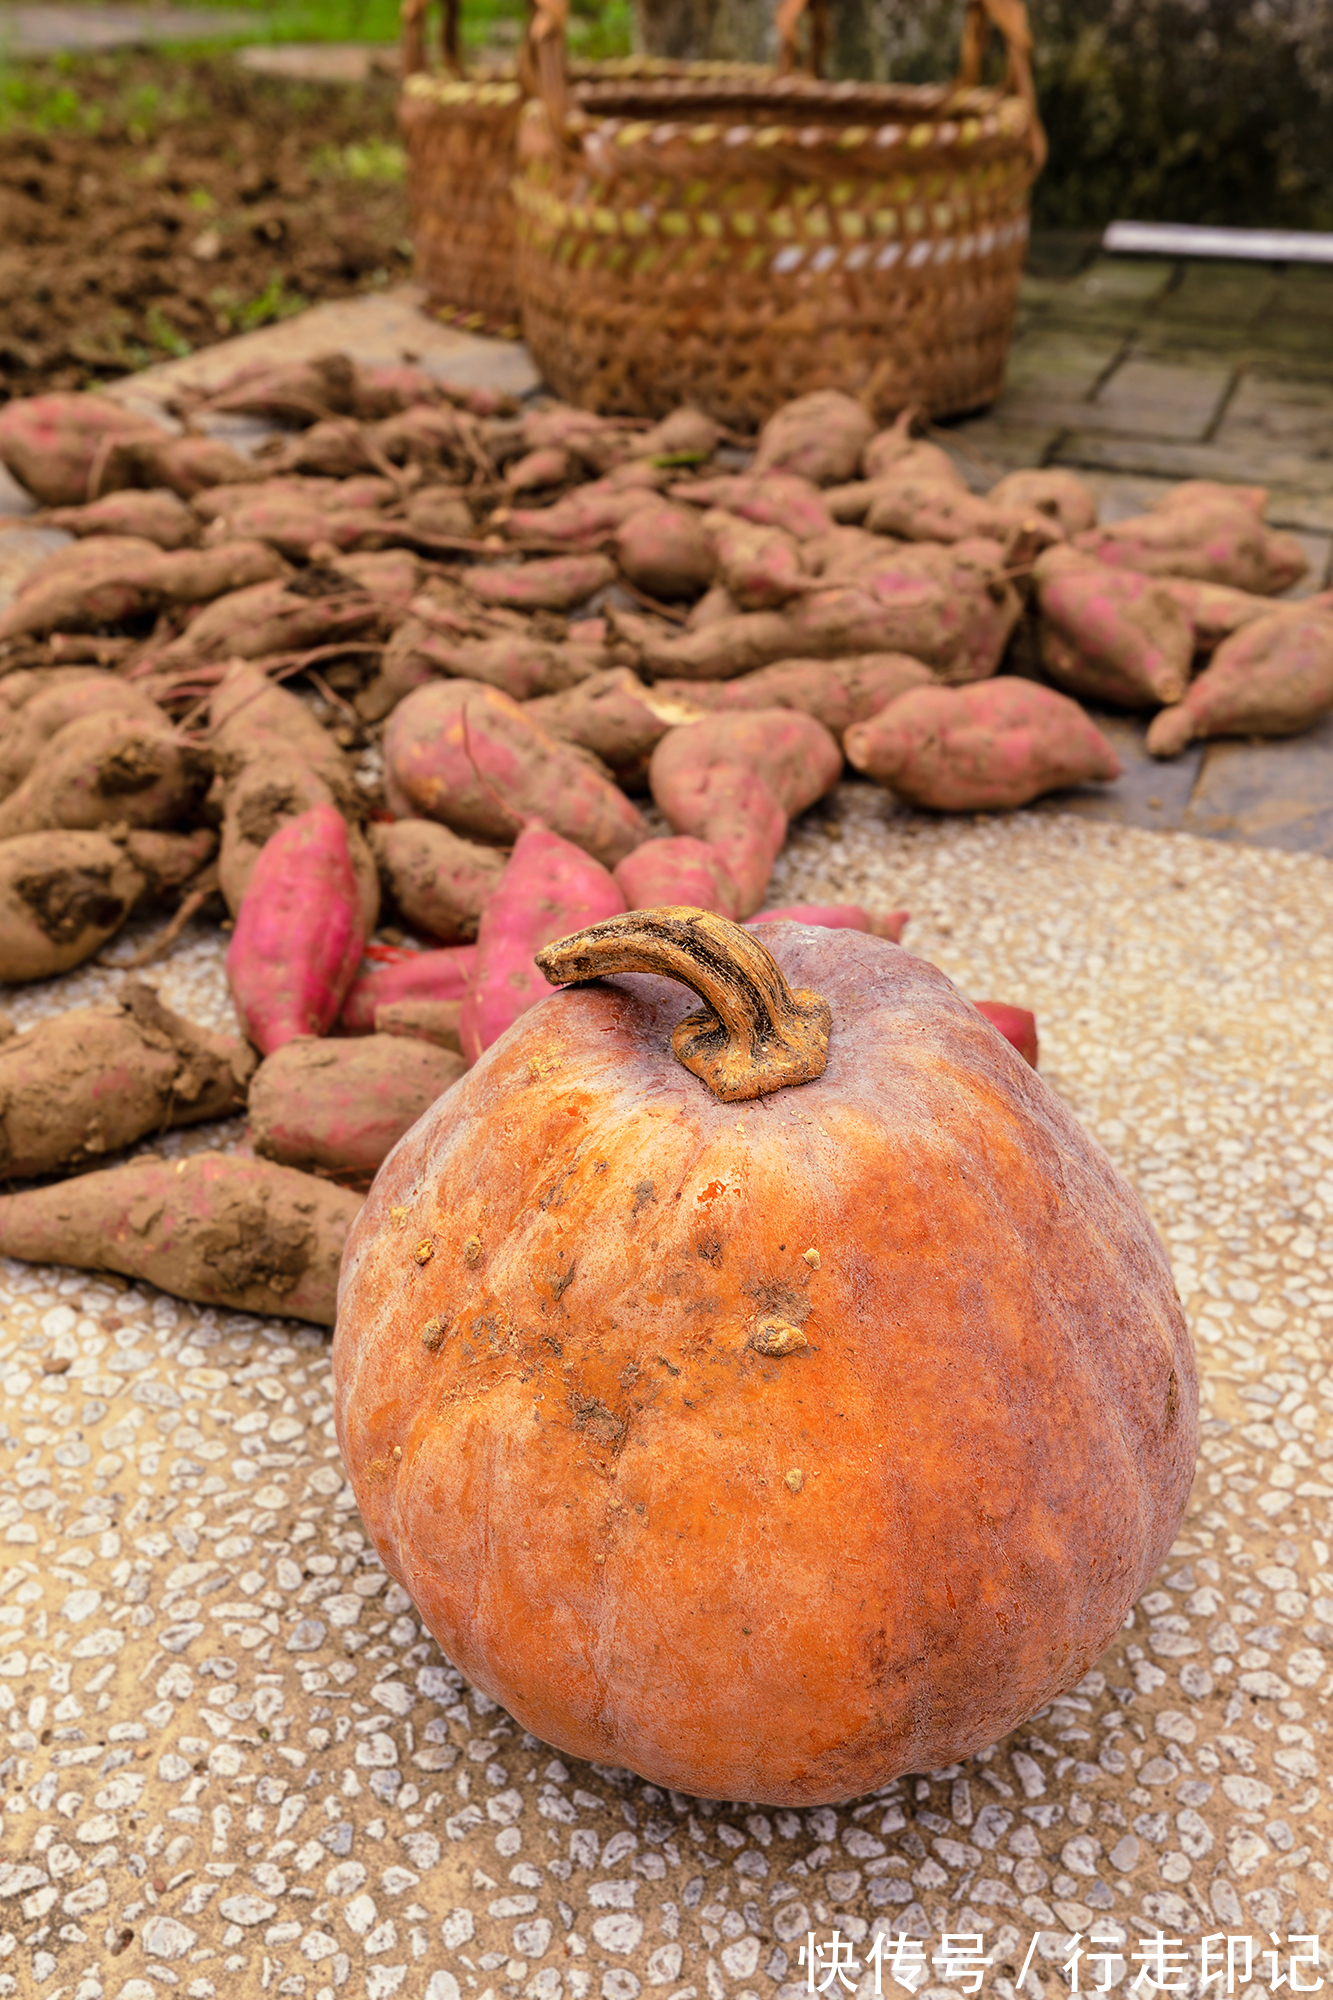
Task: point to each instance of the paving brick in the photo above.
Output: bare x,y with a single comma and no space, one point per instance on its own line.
1268,793
1221,293
1147,793
1156,399
1052,373
1267,412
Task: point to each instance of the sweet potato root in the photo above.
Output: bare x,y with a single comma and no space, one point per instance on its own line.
115,577
49,442
416,978
760,568
215,1228
734,781
836,692
439,882
1016,1024
1062,496
156,515
109,770
1110,634
549,888
87,1083
1201,529
771,500
975,749
298,938
1273,677
268,618
556,583
74,695
678,870
467,755
819,437
341,1107
663,550
895,452
62,895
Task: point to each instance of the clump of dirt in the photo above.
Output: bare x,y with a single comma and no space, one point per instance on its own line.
150,205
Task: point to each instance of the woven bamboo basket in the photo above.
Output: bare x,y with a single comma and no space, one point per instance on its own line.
460,133
734,245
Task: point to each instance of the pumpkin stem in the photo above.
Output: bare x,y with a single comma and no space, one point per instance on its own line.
753,1034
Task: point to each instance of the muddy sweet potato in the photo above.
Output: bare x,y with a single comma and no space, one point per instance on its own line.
62,895
213,1227
895,451
590,513
268,618
439,882
734,781
1062,496
820,437
663,550
88,1082
1273,677
215,503
771,500
554,583
938,510
184,465
678,870
515,662
429,978
616,717
1110,634
537,471
596,442
110,769
434,1021
288,392
982,748
75,694
836,692
1016,1024
340,1107
1214,610
340,447
1204,530
110,578
549,888
759,568
298,938
440,511
468,756
155,515
49,442
685,433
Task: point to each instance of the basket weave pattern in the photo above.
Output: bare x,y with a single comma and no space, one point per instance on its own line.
460,136
735,254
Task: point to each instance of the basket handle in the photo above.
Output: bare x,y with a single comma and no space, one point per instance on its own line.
1010,17
415,55
542,63
791,13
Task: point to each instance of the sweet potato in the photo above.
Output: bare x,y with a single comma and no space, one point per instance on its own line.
298,938
49,442
1110,634
716,604
1016,1024
487,774
1049,490
734,781
838,917
771,500
434,439
588,514
268,618
91,1081
597,442
550,466
384,388
820,437
341,1107
760,568
836,692
938,510
367,490
434,1021
683,433
417,977
62,895
555,583
440,511
616,717
439,882
289,392
515,662
895,451
75,694
663,550
981,748
185,465
1205,530
678,870
1214,610
338,448
109,770
549,888
213,1227
156,515
1271,678
116,577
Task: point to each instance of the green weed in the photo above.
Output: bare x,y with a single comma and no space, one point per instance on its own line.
363,160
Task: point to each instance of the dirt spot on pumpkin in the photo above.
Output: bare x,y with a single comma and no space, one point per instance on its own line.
777,1299
593,1420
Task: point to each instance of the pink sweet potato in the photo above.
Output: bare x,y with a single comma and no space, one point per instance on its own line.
213,1227
340,1107
682,434
895,451
1016,1024
1110,634
416,976
156,515
1205,530
298,937
734,781
1214,610
555,583
549,888
838,917
680,870
940,510
663,550
585,516
1062,496
982,748
88,1082
1271,678
771,500
470,757
108,770
760,568
440,882
836,692
49,442
820,437
75,694
550,466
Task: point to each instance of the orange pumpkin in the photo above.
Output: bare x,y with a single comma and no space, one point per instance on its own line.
771,1425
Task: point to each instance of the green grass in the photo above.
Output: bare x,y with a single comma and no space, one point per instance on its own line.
598,28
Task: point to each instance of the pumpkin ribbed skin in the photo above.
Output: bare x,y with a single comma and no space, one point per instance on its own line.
585,1473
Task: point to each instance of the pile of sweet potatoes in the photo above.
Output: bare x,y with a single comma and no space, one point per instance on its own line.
434,657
